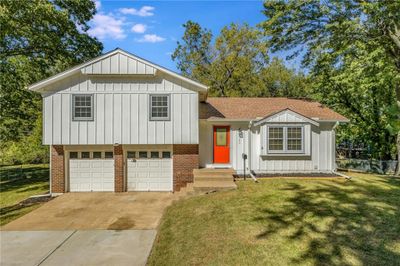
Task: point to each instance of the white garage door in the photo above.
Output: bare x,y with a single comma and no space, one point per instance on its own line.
153,173
91,175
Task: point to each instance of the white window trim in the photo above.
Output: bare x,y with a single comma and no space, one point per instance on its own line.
151,118
285,138
91,118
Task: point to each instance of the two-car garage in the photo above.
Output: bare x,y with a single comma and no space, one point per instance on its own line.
144,169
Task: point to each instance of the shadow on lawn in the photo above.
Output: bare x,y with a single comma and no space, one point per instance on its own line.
15,178
340,224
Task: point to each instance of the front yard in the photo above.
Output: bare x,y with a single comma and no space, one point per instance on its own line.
18,183
286,222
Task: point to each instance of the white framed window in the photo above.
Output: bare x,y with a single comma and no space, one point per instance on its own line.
285,139
294,138
275,139
82,107
159,107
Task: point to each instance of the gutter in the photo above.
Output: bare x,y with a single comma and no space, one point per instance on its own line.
342,175
50,192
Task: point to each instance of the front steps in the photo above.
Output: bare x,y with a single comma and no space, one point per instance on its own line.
210,180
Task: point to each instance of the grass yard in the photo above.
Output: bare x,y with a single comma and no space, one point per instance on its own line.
17,183
286,222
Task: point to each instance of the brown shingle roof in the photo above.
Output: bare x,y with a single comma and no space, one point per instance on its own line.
251,108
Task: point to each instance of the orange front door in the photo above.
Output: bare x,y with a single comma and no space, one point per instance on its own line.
221,144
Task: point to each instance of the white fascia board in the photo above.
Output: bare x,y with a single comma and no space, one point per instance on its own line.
227,120
334,121
37,86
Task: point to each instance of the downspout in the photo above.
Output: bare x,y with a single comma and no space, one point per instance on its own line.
50,192
249,156
334,155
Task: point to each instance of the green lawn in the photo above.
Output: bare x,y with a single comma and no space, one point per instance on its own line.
18,183
286,222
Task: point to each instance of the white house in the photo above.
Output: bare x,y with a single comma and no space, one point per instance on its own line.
121,123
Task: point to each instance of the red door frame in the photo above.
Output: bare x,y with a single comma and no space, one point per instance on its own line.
221,154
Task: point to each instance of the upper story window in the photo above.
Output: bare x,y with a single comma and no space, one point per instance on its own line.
159,107
82,107
285,139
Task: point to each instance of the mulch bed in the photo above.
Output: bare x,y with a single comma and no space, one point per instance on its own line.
26,203
291,175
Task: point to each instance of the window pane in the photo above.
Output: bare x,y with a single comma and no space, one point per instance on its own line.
159,107
108,154
143,154
131,154
221,136
166,154
85,155
154,154
294,139
97,155
276,132
275,145
275,138
294,132
83,108
73,155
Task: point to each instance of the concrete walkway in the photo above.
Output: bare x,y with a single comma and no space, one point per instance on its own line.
94,247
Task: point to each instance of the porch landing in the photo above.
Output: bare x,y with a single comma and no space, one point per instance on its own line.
209,179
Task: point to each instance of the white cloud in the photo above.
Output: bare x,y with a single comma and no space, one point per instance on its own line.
107,26
144,11
139,28
97,4
152,38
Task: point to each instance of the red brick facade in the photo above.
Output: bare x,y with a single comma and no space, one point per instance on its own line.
119,169
57,169
185,159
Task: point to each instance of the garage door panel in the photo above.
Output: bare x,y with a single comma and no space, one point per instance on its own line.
149,175
155,164
91,175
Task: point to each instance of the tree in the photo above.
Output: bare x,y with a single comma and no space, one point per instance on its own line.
230,66
236,63
38,38
363,90
331,30
283,82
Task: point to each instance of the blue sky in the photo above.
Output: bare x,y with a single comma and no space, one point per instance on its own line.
150,29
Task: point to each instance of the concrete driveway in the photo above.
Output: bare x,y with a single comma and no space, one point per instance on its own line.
94,247
89,211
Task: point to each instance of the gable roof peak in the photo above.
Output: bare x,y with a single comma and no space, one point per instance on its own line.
86,68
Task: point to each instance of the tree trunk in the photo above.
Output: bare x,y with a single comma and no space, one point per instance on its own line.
398,155
398,133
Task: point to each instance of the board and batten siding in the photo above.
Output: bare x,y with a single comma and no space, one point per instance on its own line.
121,111
119,64
321,156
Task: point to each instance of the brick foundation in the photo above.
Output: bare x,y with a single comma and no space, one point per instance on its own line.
57,169
185,159
118,169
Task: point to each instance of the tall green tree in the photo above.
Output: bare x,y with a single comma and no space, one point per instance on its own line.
235,63
38,38
362,89
230,65
329,31
281,81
